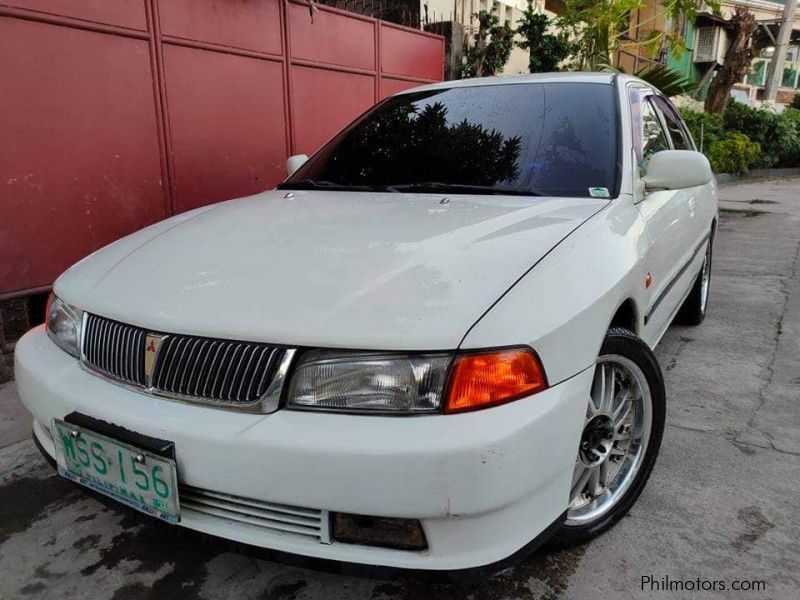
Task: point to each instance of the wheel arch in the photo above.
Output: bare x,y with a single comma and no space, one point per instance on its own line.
626,316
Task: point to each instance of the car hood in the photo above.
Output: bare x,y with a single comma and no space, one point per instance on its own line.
327,269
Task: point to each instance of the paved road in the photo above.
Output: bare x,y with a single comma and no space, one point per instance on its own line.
722,503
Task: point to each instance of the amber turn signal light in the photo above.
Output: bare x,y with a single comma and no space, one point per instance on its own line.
486,379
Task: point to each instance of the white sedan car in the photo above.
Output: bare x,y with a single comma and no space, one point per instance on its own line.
431,348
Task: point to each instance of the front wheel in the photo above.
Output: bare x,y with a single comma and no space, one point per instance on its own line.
621,437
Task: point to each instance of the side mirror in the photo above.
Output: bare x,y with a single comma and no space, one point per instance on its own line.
677,169
295,161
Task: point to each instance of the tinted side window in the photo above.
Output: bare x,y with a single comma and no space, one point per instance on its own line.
654,139
677,132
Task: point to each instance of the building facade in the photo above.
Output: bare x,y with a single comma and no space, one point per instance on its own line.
751,89
707,39
464,11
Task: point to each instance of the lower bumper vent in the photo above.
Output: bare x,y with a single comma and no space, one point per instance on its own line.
281,518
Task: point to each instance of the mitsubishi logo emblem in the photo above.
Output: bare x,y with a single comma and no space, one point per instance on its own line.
151,345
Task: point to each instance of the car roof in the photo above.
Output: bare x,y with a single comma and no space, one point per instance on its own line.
565,77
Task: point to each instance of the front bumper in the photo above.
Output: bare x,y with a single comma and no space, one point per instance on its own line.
483,484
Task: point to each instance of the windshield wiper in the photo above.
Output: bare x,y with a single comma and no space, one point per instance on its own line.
321,184
459,188
420,187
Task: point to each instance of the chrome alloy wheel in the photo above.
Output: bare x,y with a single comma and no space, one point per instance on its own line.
705,278
614,439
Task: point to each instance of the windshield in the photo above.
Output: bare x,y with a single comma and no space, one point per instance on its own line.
557,139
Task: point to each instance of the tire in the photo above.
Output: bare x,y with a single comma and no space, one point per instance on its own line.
624,434
693,310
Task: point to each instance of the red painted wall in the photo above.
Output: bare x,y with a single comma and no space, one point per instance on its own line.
118,113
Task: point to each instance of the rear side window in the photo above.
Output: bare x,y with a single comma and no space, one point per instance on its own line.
677,131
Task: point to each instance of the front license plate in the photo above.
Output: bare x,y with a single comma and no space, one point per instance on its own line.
136,477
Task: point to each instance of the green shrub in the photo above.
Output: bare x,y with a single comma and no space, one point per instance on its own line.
793,115
703,126
777,134
796,101
777,137
733,153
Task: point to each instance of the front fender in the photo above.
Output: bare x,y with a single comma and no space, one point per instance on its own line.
563,307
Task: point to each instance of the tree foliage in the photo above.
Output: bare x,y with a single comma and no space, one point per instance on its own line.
777,134
491,47
734,152
728,151
704,127
723,137
669,81
545,50
599,27
596,27
590,32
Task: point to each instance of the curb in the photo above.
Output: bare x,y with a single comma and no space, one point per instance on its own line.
758,174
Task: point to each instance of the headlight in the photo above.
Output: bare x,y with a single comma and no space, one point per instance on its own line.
369,382
396,383
64,324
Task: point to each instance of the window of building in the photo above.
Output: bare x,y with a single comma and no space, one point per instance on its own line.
705,49
758,72
789,79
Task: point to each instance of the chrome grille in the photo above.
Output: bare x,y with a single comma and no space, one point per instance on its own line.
115,349
223,372
281,518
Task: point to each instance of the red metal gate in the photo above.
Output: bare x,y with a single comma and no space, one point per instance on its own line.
115,114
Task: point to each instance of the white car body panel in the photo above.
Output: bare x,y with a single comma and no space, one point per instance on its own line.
674,229
470,476
363,270
324,269
568,315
